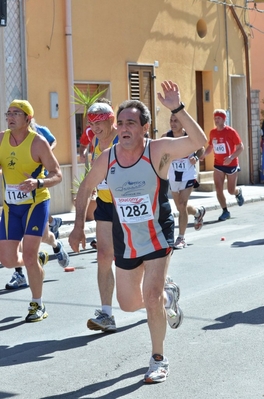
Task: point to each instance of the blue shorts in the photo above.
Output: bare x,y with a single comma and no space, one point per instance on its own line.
133,263
104,211
20,220
228,170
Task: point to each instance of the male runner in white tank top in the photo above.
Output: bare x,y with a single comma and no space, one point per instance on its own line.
142,261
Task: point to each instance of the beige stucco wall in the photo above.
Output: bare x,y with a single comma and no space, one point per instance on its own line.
162,31
106,36
46,65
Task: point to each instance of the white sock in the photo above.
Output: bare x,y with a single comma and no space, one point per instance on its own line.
197,213
38,301
107,309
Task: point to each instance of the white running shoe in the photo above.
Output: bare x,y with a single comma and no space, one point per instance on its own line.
36,312
174,312
55,229
17,281
102,322
158,370
180,243
198,221
62,256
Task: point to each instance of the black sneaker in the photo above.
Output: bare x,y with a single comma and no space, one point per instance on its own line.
225,215
43,257
240,198
93,244
36,312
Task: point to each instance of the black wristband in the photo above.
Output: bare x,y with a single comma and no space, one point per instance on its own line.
174,111
40,183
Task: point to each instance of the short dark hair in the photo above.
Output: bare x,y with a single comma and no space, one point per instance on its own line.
144,117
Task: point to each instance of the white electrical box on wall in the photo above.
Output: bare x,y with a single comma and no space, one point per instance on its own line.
54,105
207,96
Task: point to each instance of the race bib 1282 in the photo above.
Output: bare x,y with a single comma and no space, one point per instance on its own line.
134,209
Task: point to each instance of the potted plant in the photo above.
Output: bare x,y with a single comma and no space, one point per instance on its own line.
85,100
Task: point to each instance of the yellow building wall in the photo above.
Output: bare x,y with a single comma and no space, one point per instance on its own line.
47,72
164,32
107,35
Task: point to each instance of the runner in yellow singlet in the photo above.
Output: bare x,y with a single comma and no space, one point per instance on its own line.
24,155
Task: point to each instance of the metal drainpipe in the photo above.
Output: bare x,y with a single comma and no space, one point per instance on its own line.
68,34
227,62
248,93
24,72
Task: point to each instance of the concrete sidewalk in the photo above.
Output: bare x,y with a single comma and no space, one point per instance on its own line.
251,193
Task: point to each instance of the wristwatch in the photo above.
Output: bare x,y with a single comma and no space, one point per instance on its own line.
40,183
174,111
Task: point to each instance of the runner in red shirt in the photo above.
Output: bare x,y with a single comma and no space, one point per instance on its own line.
227,146
86,140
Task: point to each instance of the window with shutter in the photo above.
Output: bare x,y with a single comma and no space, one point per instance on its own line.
141,87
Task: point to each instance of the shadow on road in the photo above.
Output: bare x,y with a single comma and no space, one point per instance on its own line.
37,351
98,386
239,244
6,292
254,316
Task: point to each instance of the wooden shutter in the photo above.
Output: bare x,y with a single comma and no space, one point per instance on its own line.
141,87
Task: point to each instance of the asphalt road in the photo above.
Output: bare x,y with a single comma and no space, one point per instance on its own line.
216,353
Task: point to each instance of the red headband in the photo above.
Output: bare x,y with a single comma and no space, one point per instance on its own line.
99,117
221,114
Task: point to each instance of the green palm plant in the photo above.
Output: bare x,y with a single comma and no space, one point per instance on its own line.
75,187
85,99
77,181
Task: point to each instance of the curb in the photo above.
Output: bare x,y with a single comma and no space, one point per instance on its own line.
66,229
90,227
